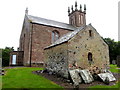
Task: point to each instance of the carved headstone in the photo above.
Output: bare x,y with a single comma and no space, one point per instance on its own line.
109,75
75,76
86,76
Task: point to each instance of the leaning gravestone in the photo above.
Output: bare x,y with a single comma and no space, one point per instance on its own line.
118,60
75,76
86,76
109,75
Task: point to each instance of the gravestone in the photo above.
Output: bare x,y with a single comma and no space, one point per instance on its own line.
86,76
108,75
113,62
75,76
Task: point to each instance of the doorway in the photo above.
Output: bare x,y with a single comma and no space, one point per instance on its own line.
13,59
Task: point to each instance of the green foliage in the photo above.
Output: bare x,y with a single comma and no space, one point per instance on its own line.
22,77
6,56
114,48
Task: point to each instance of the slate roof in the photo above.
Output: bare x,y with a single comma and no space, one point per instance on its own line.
48,22
65,37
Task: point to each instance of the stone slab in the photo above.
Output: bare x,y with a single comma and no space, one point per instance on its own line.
86,76
75,76
109,75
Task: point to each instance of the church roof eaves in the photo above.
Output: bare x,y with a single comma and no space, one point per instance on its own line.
65,37
43,21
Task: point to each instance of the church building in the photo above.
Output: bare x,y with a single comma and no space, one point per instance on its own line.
61,46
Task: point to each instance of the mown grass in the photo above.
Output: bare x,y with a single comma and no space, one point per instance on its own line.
24,78
113,68
0,82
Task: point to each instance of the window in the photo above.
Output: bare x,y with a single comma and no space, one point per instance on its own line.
82,19
90,58
90,33
55,36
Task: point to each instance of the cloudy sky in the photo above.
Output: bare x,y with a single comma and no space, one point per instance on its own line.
102,14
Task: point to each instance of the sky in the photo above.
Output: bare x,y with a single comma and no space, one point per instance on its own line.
102,14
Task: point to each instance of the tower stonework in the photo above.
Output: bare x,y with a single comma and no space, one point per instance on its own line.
77,17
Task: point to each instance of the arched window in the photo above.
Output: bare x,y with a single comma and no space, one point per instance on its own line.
90,58
55,36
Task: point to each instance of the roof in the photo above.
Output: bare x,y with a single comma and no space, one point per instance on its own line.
48,22
65,37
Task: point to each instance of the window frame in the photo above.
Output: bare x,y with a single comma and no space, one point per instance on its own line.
55,35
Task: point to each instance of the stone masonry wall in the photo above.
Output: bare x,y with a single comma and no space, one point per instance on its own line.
82,44
41,38
57,60
25,41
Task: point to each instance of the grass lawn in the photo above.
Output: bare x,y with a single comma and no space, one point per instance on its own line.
113,68
22,77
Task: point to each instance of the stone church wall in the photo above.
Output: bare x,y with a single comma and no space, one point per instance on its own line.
25,41
82,44
57,60
41,38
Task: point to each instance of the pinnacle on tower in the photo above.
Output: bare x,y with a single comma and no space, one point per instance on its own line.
68,11
72,8
76,5
84,8
80,7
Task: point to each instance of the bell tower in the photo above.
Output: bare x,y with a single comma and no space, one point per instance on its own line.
77,17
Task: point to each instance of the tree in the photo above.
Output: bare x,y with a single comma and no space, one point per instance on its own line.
118,48
6,55
114,48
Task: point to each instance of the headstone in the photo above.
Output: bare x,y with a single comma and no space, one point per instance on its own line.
109,75
2,72
75,76
113,62
86,76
